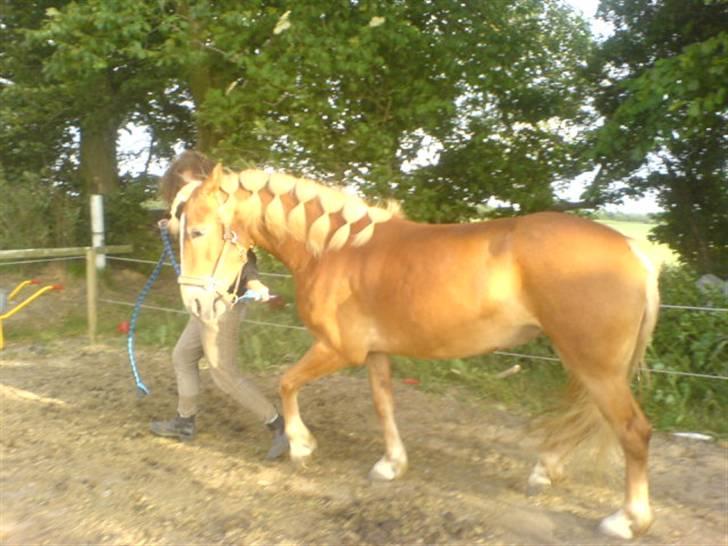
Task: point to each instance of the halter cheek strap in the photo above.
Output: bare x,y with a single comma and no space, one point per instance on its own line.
229,236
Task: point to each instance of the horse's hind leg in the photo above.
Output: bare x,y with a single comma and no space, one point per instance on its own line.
609,393
633,430
394,462
318,361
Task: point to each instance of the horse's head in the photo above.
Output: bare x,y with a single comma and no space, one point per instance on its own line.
212,252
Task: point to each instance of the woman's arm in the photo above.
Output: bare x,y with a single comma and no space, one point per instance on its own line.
250,279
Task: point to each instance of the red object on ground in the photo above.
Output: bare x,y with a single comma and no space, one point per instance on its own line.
411,381
57,287
123,327
34,281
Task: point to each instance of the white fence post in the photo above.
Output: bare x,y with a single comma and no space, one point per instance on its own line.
92,294
97,228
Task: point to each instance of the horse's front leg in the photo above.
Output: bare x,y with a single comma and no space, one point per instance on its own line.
394,462
318,361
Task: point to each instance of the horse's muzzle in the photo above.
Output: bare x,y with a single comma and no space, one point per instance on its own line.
207,305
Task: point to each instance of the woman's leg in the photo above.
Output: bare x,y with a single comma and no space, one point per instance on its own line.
186,357
221,347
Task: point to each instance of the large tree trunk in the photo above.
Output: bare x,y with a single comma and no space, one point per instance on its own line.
200,82
99,169
99,130
200,79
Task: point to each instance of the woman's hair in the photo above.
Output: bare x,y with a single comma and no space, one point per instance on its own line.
189,165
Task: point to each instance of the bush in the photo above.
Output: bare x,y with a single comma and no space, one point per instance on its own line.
692,342
36,215
129,222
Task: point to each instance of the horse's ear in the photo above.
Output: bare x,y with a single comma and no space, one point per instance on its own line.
230,183
213,181
223,180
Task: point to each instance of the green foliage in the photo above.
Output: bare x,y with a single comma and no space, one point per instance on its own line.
661,82
692,342
128,222
32,215
340,91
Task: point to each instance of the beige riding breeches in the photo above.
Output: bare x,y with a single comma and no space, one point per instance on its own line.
219,343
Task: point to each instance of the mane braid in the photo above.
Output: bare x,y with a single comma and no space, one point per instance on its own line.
317,235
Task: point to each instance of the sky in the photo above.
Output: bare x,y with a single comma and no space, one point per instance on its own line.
589,9
137,139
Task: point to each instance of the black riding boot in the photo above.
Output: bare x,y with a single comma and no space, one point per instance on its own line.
182,428
279,445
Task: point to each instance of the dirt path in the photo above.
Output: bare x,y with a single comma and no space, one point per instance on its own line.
78,466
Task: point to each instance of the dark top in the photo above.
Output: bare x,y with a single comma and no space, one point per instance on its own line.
249,273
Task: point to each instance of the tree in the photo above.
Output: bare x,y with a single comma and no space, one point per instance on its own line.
38,179
352,91
348,91
663,90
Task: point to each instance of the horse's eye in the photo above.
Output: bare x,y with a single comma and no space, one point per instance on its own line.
196,232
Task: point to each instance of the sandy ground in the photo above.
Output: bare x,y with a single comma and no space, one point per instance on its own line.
78,466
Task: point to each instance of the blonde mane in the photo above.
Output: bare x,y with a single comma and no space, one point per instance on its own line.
318,234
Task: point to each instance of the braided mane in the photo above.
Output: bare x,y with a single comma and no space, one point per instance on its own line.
317,234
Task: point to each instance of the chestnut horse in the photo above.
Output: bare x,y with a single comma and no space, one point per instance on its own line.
370,283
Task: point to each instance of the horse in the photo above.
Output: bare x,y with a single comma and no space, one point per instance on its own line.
370,283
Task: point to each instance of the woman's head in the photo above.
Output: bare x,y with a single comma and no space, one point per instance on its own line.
187,167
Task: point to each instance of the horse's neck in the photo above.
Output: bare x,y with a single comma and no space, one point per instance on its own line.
293,254
290,252
298,224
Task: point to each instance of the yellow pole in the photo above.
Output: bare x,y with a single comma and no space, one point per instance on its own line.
20,287
91,293
22,304
29,299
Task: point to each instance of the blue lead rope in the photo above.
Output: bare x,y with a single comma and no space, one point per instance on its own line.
141,387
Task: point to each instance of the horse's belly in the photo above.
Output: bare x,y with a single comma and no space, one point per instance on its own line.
477,337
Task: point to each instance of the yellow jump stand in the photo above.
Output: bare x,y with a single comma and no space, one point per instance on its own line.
7,312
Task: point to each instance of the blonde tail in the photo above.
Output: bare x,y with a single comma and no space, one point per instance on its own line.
580,420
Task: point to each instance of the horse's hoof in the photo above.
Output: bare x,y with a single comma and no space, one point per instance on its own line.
536,489
386,471
537,484
301,453
301,462
618,525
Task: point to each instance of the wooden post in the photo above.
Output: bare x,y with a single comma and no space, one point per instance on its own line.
76,251
91,293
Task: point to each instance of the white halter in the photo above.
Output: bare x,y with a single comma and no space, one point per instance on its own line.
210,283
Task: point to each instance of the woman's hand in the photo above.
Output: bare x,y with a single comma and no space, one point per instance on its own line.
257,291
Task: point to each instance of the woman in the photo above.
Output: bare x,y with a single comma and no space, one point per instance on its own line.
218,342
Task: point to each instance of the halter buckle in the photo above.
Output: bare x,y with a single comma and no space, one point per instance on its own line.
231,237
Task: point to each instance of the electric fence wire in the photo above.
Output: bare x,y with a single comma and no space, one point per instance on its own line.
168,252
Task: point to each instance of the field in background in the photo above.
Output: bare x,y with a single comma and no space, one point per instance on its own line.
640,231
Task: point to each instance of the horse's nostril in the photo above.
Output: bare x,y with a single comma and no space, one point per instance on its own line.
198,307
